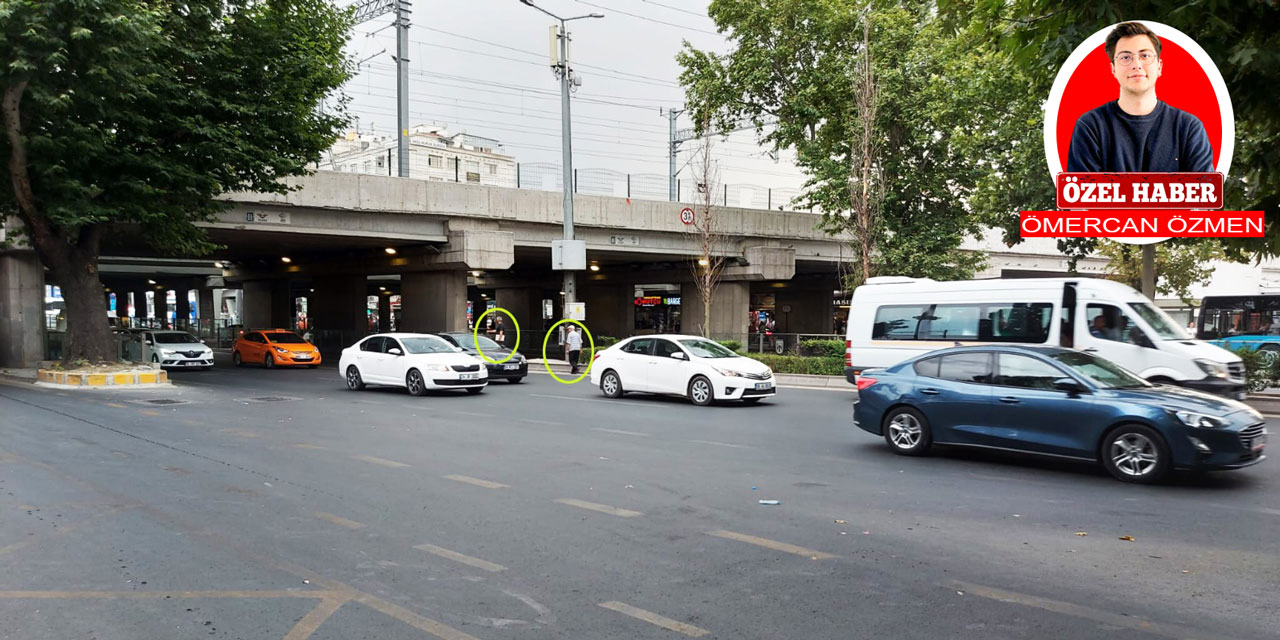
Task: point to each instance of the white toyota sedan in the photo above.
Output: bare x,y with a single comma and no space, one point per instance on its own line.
699,369
416,361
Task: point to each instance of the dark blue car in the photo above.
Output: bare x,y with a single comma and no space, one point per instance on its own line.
1055,402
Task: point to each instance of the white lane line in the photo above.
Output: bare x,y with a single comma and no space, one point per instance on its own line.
771,544
602,508
382,461
620,431
458,557
721,444
655,619
547,422
476,481
475,414
614,402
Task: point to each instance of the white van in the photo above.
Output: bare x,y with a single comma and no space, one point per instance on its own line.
892,319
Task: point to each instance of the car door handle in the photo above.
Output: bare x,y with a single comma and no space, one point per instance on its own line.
1010,400
929,392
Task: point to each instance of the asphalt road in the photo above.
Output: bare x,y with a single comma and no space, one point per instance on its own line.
277,504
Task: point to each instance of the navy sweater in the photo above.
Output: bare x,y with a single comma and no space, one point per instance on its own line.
1167,139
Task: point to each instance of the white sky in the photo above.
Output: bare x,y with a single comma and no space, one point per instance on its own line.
514,97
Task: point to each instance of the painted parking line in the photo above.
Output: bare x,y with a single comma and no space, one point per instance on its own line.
437,629
476,481
115,405
655,619
381,461
1070,609
602,508
311,622
620,431
303,445
721,444
771,544
459,557
475,414
243,433
338,520
150,413
547,422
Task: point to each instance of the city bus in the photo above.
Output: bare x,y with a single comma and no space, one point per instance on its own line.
1242,321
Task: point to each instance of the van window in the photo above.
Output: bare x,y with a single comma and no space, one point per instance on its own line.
1109,322
897,323
1021,322
951,322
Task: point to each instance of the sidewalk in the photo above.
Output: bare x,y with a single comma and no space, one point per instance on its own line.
19,375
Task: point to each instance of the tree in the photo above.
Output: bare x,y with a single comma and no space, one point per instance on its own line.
707,231
1178,266
133,116
800,64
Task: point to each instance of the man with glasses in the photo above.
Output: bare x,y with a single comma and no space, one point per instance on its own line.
1138,132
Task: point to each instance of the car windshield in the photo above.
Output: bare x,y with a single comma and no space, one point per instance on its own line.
285,337
175,338
427,344
468,341
1104,373
1159,321
707,349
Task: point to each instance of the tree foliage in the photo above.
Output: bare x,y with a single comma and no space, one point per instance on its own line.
1179,267
132,116
794,73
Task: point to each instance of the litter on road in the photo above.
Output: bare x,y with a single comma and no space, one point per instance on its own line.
770,502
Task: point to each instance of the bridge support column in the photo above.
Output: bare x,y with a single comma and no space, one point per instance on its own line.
433,301
206,312
338,311
610,309
257,304
161,303
384,312
525,303
182,307
811,310
729,307
140,311
22,298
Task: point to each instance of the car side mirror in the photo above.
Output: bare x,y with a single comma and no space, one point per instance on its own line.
1070,385
679,355
395,351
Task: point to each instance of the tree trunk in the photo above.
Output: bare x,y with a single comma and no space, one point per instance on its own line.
88,333
706,313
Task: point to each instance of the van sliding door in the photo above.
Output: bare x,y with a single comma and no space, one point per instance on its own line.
1067,336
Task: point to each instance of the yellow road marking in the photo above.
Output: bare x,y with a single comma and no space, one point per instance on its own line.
458,557
149,595
1067,608
243,433
476,481
771,544
625,433
316,617
339,520
148,412
602,508
303,445
60,531
653,618
114,405
382,461
437,629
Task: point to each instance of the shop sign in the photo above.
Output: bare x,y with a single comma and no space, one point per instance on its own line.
648,301
671,301
630,241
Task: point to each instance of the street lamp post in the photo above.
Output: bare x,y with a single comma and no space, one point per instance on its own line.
572,255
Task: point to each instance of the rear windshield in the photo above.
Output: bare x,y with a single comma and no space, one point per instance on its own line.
285,337
175,338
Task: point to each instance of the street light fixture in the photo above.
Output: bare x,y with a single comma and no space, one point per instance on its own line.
571,255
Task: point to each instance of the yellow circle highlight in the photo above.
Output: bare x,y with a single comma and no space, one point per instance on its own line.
589,357
475,336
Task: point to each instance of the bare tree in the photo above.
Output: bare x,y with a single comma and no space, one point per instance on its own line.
866,177
707,230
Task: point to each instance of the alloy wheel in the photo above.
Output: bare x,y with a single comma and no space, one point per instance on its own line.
1134,454
414,383
905,431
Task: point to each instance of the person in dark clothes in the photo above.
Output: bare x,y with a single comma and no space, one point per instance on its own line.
1138,132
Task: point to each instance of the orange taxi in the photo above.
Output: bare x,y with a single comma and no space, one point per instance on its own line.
274,347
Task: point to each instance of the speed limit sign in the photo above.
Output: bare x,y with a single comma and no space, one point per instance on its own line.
686,215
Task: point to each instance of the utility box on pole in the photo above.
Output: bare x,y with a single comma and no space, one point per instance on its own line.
568,255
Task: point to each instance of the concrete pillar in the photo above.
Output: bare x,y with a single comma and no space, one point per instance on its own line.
161,298
140,310
256,303
384,311
610,309
434,301
182,308
338,308
21,310
525,303
281,305
811,310
729,307
206,311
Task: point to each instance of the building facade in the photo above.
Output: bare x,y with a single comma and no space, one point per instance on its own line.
434,154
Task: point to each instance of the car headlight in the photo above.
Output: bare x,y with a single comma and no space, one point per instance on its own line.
1213,369
729,372
1192,419
437,367
167,352
281,350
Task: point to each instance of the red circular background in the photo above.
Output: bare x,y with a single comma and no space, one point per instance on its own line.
1183,84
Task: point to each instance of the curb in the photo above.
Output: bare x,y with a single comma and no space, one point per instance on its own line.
74,379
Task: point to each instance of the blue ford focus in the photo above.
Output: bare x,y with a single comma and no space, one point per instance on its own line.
1055,402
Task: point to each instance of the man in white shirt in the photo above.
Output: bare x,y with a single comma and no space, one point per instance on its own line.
573,348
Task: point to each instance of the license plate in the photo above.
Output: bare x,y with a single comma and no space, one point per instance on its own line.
1259,442
468,376
511,367
302,357
191,364
760,386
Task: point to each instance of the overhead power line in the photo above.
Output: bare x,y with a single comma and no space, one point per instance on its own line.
655,20
667,6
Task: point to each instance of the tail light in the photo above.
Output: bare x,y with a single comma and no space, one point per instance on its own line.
848,356
864,382
595,357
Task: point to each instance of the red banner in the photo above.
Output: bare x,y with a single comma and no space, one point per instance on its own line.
1139,190
1142,224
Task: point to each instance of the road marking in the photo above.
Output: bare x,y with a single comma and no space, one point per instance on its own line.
316,617
439,630
1067,608
625,433
602,508
303,445
475,414
148,595
382,461
148,412
653,618
532,421
721,444
339,520
243,433
114,405
614,402
458,557
476,481
771,544
1271,415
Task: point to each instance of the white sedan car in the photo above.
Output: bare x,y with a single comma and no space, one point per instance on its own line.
177,349
416,361
699,369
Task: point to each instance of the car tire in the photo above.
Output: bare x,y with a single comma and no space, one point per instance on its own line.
414,382
235,359
751,400
354,381
268,362
474,390
1135,453
611,384
515,380
700,391
907,432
